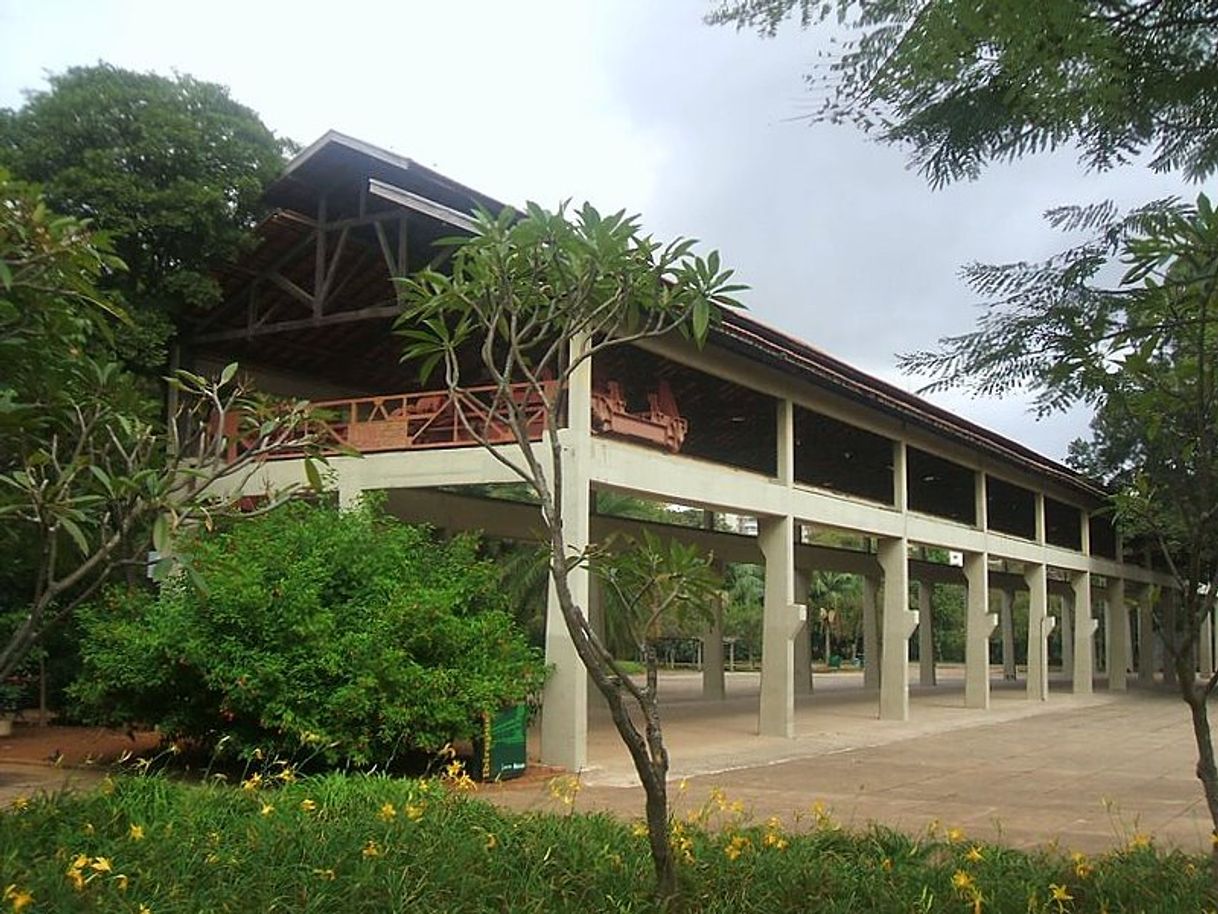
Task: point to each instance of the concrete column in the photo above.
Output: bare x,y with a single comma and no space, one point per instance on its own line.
712,655
803,640
350,490
871,633
979,625
1067,632
1084,634
1040,624
1205,650
1107,617
1120,652
926,635
1146,637
1168,634
1006,613
898,623
782,618
564,708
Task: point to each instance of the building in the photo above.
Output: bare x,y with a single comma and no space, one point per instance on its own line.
755,424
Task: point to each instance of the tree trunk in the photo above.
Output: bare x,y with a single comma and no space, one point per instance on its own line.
1207,770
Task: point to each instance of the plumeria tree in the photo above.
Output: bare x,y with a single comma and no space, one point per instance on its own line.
531,298
92,471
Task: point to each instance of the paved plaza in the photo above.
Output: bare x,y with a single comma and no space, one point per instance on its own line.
1089,772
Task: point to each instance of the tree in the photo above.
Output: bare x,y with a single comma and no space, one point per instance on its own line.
90,474
348,634
1143,353
531,299
961,84
171,168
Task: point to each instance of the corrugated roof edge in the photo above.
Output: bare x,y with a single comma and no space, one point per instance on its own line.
392,159
788,350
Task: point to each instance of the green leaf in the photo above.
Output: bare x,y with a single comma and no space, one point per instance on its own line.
78,536
313,474
701,318
160,533
227,374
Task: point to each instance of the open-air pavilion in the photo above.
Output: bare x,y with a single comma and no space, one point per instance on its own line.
755,424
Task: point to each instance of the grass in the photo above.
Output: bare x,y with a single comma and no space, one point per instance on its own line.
339,843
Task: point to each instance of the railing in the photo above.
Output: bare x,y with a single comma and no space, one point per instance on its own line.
429,419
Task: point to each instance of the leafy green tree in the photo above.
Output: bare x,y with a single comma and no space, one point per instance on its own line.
171,168
962,83
1144,353
347,631
91,475
531,298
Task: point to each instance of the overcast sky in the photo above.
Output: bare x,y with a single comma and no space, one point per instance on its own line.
630,104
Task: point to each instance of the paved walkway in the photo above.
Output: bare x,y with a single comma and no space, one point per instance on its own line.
1088,772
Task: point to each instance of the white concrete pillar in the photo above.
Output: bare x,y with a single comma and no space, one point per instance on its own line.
564,707
1205,650
1084,634
803,640
979,625
1006,613
1146,636
1107,617
713,684
1067,633
1168,634
926,635
1118,636
871,633
898,623
782,619
1040,624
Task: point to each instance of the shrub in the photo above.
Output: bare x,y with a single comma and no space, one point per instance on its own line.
346,631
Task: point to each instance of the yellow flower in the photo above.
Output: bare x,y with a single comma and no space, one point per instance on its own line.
88,828
266,809
774,840
77,880
886,864
371,849
387,812
144,909
414,811
1139,840
962,881
491,841
1060,892
136,833
102,864
81,861
327,874
736,847
639,830
307,805
288,775
954,835
20,803
253,782
683,785
19,899
974,854
121,881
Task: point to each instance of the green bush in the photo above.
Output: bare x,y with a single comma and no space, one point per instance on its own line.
374,844
348,632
